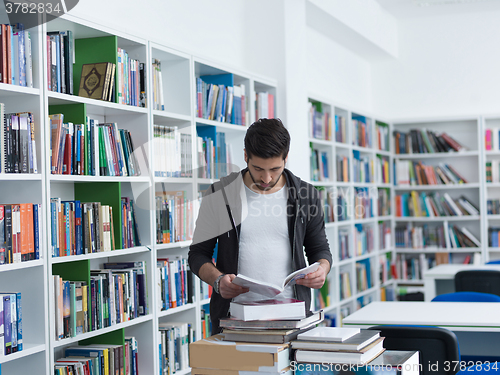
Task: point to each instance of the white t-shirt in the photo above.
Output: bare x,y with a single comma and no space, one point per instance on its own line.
265,252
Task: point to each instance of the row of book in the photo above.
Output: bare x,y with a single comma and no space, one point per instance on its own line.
322,297
20,232
365,204
17,142
320,124
493,206
172,152
158,97
220,102
364,239
423,141
87,227
345,285
409,267
60,60
382,133
342,168
385,269
361,132
16,65
91,149
384,235
363,168
117,293
462,237
491,139
417,173
363,275
384,202
130,80
174,217
493,171
493,237
175,287
340,129
345,251
174,340
382,173
416,204
206,323
328,205
11,323
264,105
100,359
420,237
98,81
215,156
320,169
343,208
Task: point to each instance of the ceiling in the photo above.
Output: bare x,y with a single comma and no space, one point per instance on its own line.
402,9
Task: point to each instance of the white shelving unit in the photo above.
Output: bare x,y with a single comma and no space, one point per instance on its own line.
467,131
359,296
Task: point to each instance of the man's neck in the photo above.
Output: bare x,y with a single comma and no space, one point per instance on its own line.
247,179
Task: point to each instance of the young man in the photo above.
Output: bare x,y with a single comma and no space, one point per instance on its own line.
263,218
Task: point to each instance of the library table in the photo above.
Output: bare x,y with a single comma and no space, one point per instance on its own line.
476,324
441,279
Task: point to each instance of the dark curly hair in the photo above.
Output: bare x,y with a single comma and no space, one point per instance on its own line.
267,138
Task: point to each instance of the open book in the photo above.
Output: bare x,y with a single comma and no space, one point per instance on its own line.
271,290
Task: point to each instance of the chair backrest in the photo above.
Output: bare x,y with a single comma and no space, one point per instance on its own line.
436,346
497,261
483,281
466,297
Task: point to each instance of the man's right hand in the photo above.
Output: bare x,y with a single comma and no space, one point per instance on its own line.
229,290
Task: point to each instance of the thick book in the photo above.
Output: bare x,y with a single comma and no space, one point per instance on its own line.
356,342
272,290
271,336
362,356
287,308
311,318
93,80
329,334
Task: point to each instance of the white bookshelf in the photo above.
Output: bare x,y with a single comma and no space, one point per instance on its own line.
467,131
334,148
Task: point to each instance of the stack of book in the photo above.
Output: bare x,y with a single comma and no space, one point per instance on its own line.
213,356
338,345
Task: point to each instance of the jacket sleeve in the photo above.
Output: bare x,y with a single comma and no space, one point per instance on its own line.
205,235
315,241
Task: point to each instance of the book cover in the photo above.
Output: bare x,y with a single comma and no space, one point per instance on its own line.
329,334
92,81
354,343
287,308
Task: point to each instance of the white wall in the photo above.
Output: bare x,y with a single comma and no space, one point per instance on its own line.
448,65
337,74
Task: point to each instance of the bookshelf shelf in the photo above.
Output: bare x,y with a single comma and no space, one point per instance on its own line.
493,217
439,187
320,142
366,292
10,90
173,245
28,349
95,107
342,145
410,281
102,254
76,178
88,335
365,221
492,153
365,256
176,310
362,149
227,127
383,153
439,218
327,309
170,116
183,372
206,181
387,283
437,155
492,185
323,183
174,180
383,218
22,265
343,262
204,301
20,177
432,251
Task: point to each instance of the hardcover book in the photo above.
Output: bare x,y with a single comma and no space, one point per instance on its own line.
311,318
287,308
94,79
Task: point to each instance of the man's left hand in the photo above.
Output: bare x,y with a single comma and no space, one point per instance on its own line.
316,279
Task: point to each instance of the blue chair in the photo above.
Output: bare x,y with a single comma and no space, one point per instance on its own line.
436,345
494,261
466,297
